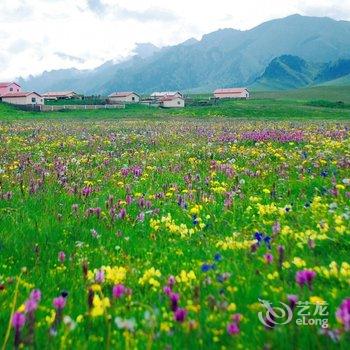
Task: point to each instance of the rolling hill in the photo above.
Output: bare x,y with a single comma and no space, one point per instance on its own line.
287,72
292,72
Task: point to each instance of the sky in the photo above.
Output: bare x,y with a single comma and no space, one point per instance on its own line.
38,35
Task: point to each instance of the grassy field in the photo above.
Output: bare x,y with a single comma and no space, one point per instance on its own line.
328,93
202,228
254,108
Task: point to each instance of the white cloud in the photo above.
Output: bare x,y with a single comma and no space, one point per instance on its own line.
39,35
338,9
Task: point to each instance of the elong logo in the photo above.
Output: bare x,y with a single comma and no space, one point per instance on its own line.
308,314
275,315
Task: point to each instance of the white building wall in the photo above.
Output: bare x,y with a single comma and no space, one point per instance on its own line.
174,103
159,95
244,94
26,100
126,99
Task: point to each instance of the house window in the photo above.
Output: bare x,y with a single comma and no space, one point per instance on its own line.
178,102
33,99
17,90
133,98
11,89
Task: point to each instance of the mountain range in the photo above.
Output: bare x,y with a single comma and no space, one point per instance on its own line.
287,53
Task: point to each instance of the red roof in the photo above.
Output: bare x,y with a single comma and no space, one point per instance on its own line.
122,94
6,84
230,91
170,98
19,94
166,93
58,93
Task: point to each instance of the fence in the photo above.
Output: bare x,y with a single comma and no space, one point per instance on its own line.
51,108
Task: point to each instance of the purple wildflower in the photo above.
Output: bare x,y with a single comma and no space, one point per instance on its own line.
276,228
86,191
59,303
174,300
61,256
118,291
122,213
180,315
232,328
30,305
280,250
293,300
141,217
305,277
268,258
171,281
343,314
100,276
18,320
35,295
167,290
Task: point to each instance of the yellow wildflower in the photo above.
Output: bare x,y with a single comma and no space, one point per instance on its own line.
150,277
298,262
316,300
99,305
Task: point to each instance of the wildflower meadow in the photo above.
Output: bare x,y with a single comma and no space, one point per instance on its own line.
174,233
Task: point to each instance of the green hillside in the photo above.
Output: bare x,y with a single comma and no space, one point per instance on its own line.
287,72
329,93
342,81
292,72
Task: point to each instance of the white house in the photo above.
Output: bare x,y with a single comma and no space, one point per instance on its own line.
60,95
23,98
160,95
7,88
126,97
172,102
242,93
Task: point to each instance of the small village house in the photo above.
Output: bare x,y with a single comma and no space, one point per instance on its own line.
160,95
23,98
172,102
239,93
60,95
6,88
125,97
